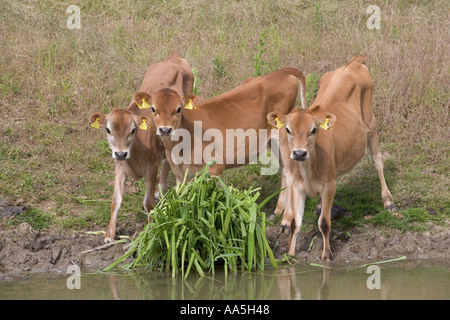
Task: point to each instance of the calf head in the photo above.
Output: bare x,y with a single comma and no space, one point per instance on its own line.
166,106
301,127
121,128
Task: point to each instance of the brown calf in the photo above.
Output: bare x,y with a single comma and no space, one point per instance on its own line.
138,153
315,155
241,109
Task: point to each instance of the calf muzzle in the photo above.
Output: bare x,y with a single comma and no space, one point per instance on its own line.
120,155
164,131
299,155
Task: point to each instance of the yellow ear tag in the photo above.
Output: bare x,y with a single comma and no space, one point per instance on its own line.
280,124
95,124
189,105
145,105
324,125
143,125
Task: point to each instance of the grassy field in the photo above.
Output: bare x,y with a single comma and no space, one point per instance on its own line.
52,78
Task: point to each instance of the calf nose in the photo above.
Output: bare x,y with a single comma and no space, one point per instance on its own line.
120,155
165,130
299,155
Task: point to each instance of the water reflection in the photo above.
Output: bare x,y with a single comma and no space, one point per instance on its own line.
113,287
285,283
253,286
291,283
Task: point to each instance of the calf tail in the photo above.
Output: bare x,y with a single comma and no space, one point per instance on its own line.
360,59
301,77
303,90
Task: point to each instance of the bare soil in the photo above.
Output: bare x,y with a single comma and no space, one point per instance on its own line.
364,244
24,251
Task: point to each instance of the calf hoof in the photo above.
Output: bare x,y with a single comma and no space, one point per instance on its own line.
327,255
108,239
284,227
391,208
272,216
318,210
157,197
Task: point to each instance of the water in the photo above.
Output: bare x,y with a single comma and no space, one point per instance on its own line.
404,280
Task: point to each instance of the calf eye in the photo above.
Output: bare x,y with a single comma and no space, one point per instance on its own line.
313,131
178,110
133,130
288,131
108,131
153,110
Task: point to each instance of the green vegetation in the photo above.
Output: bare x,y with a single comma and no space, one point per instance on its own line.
36,218
52,78
201,224
312,87
258,63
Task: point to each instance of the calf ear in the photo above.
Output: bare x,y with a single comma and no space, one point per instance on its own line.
276,120
324,119
142,100
97,119
143,122
331,119
190,101
327,121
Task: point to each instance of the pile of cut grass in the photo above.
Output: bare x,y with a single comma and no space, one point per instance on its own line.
203,224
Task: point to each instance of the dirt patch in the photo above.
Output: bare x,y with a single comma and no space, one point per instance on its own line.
365,244
10,211
24,251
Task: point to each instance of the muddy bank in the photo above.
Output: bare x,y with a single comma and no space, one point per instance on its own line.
364,244
24,251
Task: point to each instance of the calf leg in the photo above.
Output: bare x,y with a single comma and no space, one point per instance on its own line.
327,197
290,206
165,169
287,182
119,187
318,208
299,199
164,174
377,159
281,203
276,148
150,185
